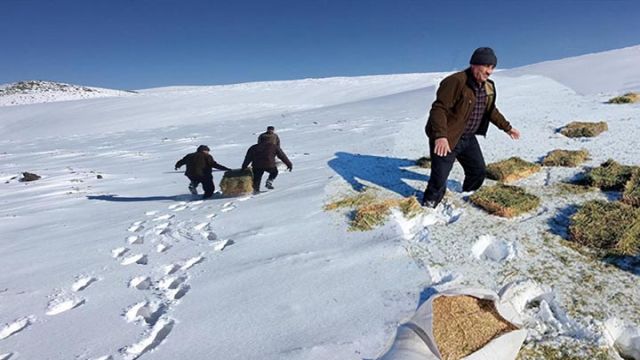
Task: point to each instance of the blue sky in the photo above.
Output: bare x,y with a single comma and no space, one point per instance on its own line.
133,44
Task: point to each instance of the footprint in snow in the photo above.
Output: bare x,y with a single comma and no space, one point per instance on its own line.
488,247
136,227
171,282
211,216
60,305
140,282
106,357
135,240
209,235
178,293
192,262
175,206
15,327
180,208
164,217
228,207
83,283
221,245
152,213
171,269
117,252
150,341
6,356
245,198
196,203
149,312
139,259
162,247
201,226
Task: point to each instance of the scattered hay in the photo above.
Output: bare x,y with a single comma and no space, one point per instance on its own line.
505,200
573,188
584,129
610,226
371,211
463,324
610,175
631,193
566,158
236,182
424,162
627,98
511,169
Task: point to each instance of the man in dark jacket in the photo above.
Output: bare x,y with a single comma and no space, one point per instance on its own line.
465,104
199,167
271,135
263,158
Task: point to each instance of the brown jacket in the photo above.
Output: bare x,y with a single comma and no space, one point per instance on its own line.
263,156
272,137
199,164
454,102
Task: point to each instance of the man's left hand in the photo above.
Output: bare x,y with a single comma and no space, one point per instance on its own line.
514,133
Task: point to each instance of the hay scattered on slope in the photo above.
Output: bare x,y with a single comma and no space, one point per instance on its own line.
584,129
627,98
511,169
631,193
463,324
362,198
611,226
566,158
236,182
424,162
505,200
610,175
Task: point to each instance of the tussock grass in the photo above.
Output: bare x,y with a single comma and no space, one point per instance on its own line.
610,175
573,188
566,158
511,169
505,200
371,210
610,226
631,193
584,129
464,324
237,182
627,98
424,162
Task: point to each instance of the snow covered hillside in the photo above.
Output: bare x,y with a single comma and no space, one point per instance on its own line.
38,91
108,256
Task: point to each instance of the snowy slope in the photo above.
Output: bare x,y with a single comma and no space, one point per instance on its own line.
128,265
38,91
608,72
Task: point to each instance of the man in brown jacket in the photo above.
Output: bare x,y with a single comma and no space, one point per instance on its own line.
271,135
199,167
263,157
465,104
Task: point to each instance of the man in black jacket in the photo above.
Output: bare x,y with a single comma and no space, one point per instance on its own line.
263,157
199,167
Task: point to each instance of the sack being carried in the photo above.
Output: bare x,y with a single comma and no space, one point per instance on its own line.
236,182
470,324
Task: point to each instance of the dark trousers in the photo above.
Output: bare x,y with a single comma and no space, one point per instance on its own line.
469,154
207,184
257,176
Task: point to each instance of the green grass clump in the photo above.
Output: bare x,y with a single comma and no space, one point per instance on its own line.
631,193
567,158
627,98
511,169
584,129
610,175
610,226
505,200
424,162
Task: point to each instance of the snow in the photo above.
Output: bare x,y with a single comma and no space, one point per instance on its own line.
108,256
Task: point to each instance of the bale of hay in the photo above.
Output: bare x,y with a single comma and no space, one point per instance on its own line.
610,175
611,226
631,193
584,129
627,98
463,324
236,182
566,158
424,162
505,200
511,169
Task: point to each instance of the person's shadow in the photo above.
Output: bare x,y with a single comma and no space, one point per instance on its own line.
116,198
386,172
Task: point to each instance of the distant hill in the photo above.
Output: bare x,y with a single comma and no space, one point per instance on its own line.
38,91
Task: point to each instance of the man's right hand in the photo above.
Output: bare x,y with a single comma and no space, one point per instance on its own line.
441,147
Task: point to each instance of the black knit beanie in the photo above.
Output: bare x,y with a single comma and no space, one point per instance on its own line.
484,56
